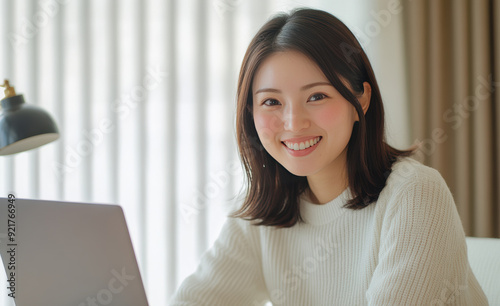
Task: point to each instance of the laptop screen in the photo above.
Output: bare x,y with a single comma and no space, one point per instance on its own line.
64,253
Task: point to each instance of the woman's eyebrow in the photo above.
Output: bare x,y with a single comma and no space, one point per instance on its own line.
314,85
302,88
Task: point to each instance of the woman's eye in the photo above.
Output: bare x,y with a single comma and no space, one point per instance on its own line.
271,102
317,97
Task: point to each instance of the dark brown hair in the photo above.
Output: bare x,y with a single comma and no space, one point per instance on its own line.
273,194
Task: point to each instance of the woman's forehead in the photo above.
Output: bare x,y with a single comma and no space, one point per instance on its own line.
287,69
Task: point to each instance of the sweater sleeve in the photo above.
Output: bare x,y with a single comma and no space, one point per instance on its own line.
229,273
423,255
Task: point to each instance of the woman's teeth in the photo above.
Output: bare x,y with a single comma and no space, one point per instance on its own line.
302,145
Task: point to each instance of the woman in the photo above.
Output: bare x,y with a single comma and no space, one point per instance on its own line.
333,215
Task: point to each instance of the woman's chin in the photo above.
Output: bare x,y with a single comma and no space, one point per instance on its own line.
298,171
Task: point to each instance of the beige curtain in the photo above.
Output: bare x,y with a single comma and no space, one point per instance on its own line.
453,52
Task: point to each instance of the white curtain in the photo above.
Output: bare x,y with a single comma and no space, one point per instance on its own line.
143,93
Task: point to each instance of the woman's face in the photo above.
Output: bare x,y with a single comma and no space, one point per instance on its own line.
302,120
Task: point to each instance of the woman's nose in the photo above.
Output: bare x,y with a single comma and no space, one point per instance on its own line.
296,119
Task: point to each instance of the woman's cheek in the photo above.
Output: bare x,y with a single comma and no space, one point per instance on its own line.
333,114
267,126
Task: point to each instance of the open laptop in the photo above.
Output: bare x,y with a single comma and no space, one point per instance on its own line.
64,254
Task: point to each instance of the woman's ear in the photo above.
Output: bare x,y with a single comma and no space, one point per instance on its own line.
365,98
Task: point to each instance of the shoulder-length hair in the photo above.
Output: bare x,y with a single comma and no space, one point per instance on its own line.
273,193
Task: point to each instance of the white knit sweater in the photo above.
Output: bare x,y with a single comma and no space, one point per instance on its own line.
408,248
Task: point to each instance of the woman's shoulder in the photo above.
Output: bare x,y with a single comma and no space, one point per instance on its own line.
407,171
418,193
410,180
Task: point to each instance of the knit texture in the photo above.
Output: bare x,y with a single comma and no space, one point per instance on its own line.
408,248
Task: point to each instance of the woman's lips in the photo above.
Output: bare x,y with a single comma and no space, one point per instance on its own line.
301,148
301,144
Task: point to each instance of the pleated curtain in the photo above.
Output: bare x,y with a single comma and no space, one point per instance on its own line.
453,73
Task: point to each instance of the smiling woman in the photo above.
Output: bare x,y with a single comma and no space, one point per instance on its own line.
295,53
309,120
333,215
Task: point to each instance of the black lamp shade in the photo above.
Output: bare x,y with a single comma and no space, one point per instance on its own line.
24,127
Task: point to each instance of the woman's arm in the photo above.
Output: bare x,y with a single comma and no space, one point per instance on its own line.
423,255
229,273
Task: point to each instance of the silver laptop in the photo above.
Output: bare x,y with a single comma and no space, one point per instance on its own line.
65,254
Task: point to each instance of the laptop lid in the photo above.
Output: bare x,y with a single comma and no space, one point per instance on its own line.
64,253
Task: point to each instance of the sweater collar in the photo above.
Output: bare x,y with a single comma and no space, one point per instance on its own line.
318,214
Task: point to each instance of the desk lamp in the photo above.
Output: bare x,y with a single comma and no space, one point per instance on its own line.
22,126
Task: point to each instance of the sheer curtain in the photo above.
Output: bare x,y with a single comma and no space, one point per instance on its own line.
143,93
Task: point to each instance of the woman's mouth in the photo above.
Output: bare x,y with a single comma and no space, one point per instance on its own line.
303,145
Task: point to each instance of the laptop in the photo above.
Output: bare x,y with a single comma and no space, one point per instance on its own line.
64,254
